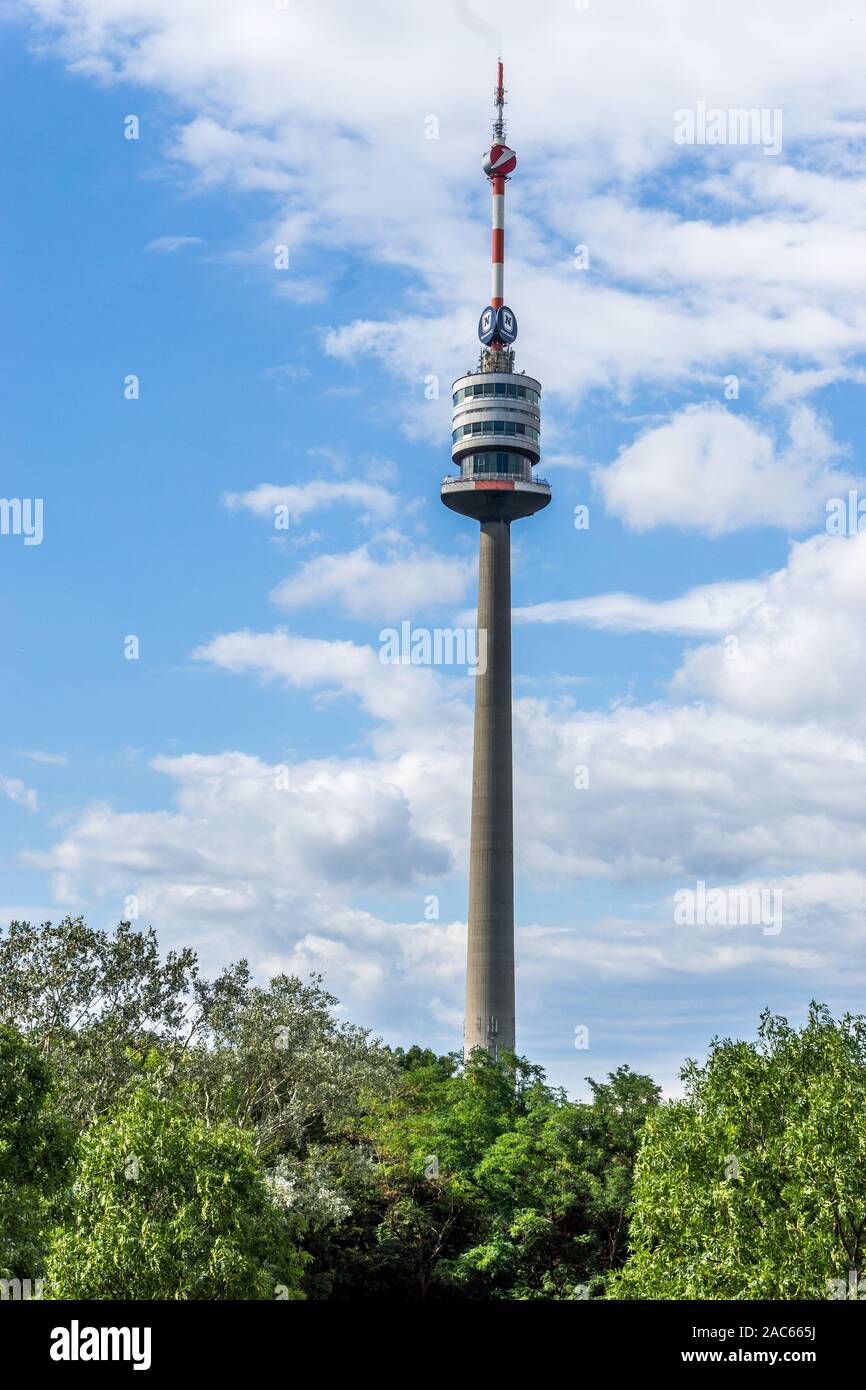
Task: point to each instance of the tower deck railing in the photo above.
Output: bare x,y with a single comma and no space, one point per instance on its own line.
492,478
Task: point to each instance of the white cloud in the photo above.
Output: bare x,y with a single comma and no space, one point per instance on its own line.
15,790
679,790
301,499
618,951
788,385
243,864
286,372
303,289
172,243
402,585
38,755
711,470
793,644
419,710
297,102
800,653
741,796
244,830
709,608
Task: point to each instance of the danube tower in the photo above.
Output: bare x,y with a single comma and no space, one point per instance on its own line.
495,444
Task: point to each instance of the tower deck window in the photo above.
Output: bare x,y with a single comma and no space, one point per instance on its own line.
495,427
501,462
499,388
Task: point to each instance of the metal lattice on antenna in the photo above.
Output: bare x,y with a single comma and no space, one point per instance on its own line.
499,103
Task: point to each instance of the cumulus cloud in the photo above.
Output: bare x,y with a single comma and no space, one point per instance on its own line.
401,585
301,499
708,608
245,832
421,718
243,865
800,652
711,470
787,385
679,790
740,796
793,644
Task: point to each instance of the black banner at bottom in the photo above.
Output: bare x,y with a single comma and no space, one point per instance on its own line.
85,1339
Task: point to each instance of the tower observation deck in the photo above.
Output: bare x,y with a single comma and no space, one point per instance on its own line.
495,444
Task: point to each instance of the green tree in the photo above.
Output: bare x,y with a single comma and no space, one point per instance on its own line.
276,1061
273,1060
754,1184
165,1208
95,1003
402,1174
556,1186
395,1219
35,1150
481,1181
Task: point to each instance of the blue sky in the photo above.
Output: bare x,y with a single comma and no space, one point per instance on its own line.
259,648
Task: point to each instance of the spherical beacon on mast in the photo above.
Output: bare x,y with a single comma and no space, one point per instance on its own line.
495,445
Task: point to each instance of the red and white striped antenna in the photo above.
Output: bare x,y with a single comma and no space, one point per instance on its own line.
498,165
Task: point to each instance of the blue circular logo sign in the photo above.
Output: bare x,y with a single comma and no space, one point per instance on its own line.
506,325
487,325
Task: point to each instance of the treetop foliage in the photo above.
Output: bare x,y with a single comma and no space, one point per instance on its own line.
754,1184
163,1135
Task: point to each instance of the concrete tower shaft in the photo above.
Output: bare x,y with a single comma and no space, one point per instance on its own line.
490,1019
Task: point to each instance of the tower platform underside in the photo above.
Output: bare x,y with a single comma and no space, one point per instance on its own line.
493,499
